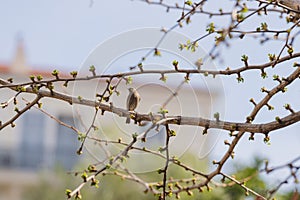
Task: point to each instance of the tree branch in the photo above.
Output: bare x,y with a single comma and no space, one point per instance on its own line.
178,120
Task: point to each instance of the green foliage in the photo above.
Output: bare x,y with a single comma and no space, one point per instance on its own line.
157,52
264,75
290,50
55,73
192,46
172,133
255,182
211,28
272,57
217,116
74,74
175,64
129,80
163,78
189,2
52,186
109,188
163,111
264,26
92,68
244,58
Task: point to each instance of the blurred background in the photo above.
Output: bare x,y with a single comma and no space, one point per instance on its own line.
40,36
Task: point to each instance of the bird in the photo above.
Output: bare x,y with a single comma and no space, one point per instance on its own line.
133,100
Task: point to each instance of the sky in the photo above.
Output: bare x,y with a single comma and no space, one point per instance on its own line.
61,35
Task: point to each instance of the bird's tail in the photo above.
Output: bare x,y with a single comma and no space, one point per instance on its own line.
128,120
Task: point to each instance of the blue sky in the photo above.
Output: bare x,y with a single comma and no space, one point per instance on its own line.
64,32
61,34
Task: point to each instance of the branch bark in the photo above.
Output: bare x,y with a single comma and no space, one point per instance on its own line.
176,120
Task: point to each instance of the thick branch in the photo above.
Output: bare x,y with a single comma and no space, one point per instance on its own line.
178,120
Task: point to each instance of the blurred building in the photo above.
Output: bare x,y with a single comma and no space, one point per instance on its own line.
38,142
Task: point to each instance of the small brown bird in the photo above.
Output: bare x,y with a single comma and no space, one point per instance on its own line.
133,100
